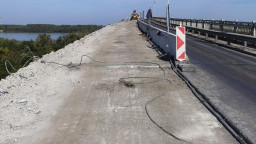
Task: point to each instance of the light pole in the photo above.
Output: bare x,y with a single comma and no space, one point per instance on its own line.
168,16
154,8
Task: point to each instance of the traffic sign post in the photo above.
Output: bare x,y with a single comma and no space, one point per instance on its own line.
180,43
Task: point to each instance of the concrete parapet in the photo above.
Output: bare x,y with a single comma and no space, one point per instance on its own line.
163,39
166,41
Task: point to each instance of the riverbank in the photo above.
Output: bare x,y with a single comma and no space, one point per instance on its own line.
20,53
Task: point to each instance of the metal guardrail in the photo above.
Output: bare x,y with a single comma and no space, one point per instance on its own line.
245,28
201,29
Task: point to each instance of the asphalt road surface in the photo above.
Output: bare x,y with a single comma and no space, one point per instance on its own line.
228,78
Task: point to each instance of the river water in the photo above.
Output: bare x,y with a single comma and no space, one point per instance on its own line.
28,36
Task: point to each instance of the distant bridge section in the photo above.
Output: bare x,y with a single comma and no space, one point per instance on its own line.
241,33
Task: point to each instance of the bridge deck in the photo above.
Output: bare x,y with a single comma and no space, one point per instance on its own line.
124,97
228,80
104,110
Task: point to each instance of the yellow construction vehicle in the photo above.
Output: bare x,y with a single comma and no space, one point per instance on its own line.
134,15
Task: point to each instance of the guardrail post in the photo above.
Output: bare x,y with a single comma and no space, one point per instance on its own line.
203,24
235,29
206,35
221,25
245,44
211,25
254,30
199,33
216,38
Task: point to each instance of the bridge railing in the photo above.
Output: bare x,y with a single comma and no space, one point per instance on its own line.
245,28
219,30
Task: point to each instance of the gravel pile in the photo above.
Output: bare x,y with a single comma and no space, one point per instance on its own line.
31,96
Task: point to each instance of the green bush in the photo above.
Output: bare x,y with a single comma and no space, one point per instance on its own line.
18,53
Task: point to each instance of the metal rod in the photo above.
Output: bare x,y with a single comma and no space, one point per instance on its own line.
154,8
168,17
143,15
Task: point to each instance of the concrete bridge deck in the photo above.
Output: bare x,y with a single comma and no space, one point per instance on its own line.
150,106
119,95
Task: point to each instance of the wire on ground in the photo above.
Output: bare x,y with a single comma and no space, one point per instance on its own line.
122,80
33,57
126,81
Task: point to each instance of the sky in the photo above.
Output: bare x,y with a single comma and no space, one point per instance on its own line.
103,12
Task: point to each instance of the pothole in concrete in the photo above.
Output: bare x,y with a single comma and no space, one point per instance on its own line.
132,81
119,42
129,84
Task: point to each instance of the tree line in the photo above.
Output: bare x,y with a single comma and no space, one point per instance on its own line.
18,53
48,28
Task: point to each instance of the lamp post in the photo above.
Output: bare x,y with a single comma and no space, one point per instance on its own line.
168,16
154,8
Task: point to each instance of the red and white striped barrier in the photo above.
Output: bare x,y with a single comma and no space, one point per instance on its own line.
180,43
